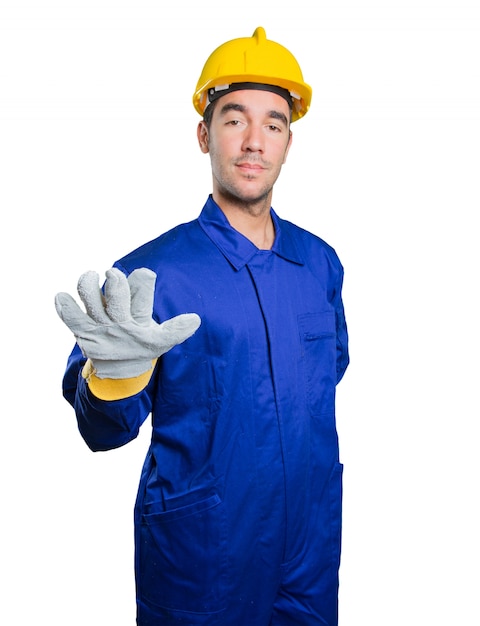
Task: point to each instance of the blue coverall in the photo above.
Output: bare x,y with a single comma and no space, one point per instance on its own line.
238,515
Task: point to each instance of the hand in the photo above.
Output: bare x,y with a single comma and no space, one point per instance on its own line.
117,332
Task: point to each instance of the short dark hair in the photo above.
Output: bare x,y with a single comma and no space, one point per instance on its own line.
208,113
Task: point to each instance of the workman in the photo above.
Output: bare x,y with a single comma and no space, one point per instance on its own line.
230,331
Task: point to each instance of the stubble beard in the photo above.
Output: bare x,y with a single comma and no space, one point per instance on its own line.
253,204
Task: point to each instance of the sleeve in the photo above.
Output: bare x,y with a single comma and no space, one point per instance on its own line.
104,424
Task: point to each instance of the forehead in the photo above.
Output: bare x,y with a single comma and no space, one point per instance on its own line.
254,102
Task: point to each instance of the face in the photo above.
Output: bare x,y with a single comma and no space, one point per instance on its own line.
248,142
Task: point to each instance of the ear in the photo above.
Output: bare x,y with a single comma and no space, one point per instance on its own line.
202,136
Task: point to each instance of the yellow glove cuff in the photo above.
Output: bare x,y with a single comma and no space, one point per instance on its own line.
113,388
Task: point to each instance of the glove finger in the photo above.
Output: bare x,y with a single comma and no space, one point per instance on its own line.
142,291
176,330
117,296
71,314
92,297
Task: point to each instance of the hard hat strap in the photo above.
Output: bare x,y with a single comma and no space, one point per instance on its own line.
221,90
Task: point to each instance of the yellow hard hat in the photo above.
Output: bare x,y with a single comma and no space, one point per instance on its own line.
256,61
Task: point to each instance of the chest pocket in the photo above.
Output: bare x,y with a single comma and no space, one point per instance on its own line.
318,345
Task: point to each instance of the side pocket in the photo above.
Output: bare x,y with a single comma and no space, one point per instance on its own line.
336,489
183,557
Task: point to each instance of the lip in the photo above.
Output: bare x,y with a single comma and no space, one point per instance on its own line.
251,167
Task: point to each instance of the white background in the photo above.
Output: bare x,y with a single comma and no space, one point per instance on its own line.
98,154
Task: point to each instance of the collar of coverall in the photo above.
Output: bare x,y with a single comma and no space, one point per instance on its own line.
238,249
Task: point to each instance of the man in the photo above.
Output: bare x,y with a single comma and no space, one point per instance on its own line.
238,515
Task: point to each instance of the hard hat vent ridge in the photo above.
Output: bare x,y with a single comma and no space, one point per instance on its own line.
260,35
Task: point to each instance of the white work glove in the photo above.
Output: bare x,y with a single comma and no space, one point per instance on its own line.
117,332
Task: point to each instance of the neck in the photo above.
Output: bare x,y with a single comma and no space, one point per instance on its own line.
251,220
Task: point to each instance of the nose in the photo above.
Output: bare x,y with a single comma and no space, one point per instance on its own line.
253,140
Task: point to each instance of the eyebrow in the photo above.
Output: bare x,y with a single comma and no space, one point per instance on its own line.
277,115
273,114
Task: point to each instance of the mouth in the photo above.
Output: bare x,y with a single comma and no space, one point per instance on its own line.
251,168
